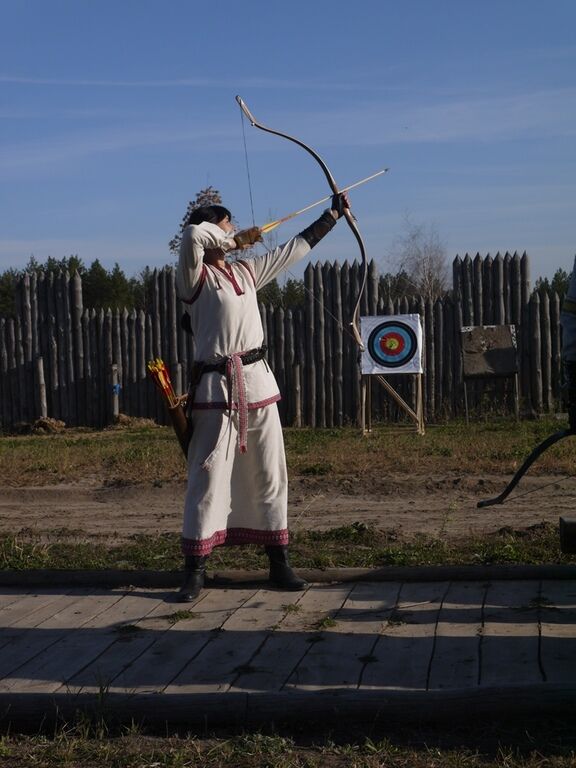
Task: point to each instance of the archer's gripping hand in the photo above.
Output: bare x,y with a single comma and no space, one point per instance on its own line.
339,203
247,237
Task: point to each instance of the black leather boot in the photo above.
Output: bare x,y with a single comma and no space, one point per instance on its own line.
281,575
194,571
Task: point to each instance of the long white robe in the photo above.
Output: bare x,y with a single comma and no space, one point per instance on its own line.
233,497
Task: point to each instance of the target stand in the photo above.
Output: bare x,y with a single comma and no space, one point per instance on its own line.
392,345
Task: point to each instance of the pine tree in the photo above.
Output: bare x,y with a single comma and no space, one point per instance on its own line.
8,281
208,196
559,284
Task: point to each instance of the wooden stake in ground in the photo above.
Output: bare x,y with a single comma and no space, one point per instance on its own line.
176,403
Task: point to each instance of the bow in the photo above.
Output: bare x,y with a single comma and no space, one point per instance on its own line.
538,451
347,212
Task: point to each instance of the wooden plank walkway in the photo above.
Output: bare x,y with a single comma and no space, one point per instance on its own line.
239,651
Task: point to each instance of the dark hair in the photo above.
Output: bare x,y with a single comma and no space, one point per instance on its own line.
212,213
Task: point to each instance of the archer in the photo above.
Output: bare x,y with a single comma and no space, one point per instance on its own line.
237,477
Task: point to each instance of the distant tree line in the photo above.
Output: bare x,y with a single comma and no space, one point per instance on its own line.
103,288
418,262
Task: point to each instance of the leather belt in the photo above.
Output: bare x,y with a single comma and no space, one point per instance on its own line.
252,356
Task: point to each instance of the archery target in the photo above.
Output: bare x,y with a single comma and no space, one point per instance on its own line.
393,344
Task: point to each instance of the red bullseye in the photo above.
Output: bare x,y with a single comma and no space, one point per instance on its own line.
392,344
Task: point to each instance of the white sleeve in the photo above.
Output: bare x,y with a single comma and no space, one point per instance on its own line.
267,267
195,240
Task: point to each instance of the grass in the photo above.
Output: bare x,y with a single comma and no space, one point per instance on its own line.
532,744
115,456
328,622
183,615
353,546
146,453
150,453
498,446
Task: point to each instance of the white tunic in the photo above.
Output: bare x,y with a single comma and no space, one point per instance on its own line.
223,310
232,497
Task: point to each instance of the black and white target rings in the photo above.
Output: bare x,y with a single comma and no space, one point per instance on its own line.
392,344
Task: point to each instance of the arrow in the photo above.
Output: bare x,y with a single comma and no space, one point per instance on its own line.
273,224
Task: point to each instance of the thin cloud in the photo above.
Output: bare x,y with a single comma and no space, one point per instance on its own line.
536,114
557,53
65,113
190,82
478,118
44,154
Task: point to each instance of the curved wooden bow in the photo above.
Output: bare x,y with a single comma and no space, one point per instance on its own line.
347,212
531,458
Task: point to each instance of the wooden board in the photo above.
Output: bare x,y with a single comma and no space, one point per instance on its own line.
84,631
131,639
172,651
343,651
8,596
455,663
406,644
558,631
228,653
281,652
29,609
33,632
418,637
509,650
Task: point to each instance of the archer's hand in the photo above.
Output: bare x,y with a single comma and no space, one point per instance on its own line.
339,203
247,237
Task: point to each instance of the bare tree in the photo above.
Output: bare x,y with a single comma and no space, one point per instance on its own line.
420,253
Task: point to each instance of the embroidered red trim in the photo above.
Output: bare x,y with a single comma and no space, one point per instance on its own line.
234,536
223,406
229,275
199,287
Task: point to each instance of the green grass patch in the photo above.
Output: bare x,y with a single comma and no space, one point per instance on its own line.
531,744
136,454
353,546
115,455
327,622
183,615
496,446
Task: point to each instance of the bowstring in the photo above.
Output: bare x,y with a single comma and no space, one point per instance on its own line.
322,305
542,487
338,322
247,166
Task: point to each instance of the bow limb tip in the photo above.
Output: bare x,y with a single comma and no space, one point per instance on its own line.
531,458
489,502
244,108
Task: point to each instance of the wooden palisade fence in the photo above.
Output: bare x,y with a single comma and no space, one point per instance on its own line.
83,366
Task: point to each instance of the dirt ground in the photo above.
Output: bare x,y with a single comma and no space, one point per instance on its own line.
436,505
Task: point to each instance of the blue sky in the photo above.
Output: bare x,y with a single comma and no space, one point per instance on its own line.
114,114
